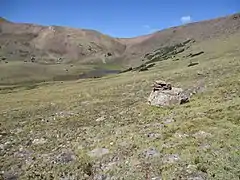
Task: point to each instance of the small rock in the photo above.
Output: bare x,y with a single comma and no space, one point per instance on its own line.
201,134
98,152
197,176
66,157
23,153
156,178
10,176
168,120
184,98
85,102
191,168
169,145
39,141
100,177
124,144
205,146
135,162
100,119
171,158
154,135
181,136
161,82
2,146
151,152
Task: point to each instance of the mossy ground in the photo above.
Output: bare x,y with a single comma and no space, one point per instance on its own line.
198,139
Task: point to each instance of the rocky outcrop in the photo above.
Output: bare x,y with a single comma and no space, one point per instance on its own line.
163,94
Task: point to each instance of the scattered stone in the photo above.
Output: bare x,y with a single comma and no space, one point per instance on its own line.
100,119
85,103
201,134
68,177
111,143
168,121
204,146
32,58
2,146
180,135
100,177
154,135
197,176
191,168
3,133
66,157
171,158
156,178
124,144
10,175
39,141
163,94
64,114
98,152
151,152
109,54
135,162
23,153
170,145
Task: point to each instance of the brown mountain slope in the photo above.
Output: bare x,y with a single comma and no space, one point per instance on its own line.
23,41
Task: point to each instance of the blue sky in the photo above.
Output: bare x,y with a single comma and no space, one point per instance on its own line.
119,18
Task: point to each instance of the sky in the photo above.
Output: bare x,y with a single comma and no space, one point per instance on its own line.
118,18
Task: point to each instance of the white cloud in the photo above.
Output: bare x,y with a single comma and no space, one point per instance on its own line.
153,30
146,26
186,19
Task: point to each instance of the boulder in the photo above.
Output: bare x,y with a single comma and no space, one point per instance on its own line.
163,94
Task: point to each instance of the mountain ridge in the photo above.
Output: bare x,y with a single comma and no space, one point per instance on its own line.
58,41
34,49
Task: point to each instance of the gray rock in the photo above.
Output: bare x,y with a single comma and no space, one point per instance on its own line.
163,94
10,175
204,146
201,134
163,98
168,120
2,146
98,152
66,157
156,178
39,141
180,135
100,119
171,158
154,135
100,177
23,153
151,152
198,176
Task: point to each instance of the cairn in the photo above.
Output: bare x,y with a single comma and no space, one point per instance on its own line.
163,94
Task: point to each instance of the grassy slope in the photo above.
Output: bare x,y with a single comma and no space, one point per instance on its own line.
22,73
65,115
